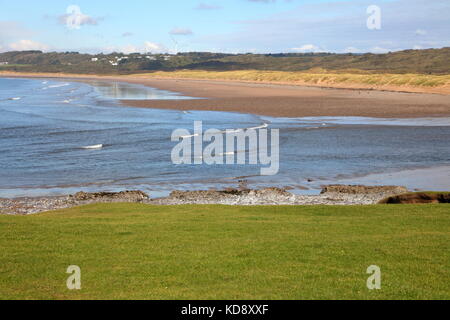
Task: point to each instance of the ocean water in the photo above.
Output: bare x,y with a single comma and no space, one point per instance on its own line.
45,126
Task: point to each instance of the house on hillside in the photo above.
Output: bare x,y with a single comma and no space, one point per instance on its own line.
4,63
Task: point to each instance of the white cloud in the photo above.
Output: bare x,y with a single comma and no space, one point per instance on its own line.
338,24
129,49
146,47
15,37
154,47
181,32
267,1
77,20
74,18
11,30
206,6
23,45
308,48
352,50
384,50
421,32
379,50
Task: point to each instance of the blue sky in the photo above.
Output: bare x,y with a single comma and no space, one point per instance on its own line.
223,25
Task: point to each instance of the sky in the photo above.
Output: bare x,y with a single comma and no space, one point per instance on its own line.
231,26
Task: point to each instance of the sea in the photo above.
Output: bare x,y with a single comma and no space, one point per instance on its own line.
47,127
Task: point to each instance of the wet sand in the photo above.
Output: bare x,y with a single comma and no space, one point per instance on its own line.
429,179
295,101
280,100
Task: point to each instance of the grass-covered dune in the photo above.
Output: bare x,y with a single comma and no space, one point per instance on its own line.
132,251
320,77
340,79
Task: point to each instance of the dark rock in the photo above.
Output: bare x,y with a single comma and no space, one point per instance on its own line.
125,196
213,195
349,189
418,198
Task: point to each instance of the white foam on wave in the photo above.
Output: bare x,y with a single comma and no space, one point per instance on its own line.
68,100
227,153
59,85
263,126
53,86
420,122
232,131
228,131
15,99
189,136
406,122
93,147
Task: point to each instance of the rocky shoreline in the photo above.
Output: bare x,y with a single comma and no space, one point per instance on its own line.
331,195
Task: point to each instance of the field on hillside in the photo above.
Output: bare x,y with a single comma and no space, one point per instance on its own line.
426,61
133,251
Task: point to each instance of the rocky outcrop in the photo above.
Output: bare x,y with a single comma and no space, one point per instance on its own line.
358,189
25,206
331,195
216,195
418,198
229,197
124,196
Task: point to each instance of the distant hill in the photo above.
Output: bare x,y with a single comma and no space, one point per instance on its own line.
429,61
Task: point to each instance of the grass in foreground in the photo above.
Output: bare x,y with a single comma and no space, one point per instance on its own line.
131,251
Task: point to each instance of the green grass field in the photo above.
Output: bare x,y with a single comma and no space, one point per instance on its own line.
132,251
11,66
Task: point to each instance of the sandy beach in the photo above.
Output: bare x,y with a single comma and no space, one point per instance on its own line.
276,100
295,101
279,100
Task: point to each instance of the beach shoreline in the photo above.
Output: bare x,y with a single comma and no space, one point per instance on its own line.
253,98
276,99
333,195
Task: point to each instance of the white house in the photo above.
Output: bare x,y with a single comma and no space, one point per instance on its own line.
94,59
4,63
